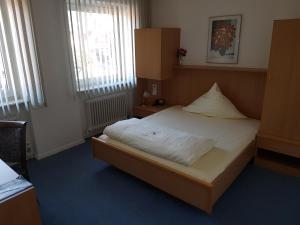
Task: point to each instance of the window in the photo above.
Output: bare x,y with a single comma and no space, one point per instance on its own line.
99,60
102,42
19,71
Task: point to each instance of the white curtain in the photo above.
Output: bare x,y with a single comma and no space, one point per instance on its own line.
101,34
20,81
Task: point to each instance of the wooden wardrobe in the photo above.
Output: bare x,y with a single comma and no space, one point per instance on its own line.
156,52
280,123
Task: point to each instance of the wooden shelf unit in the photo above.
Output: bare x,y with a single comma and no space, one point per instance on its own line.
222,68
147,110
156,52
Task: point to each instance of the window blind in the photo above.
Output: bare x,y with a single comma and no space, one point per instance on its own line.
20,81
101,34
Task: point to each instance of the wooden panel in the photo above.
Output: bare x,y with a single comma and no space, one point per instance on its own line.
148,53
278,162
222,68
224,180
170,44
280,127
279,144
292,125
284,168
156,52
146,85
147,110
281,105
20,209
140,112
245,88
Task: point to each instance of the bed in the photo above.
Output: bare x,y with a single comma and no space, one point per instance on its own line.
202,183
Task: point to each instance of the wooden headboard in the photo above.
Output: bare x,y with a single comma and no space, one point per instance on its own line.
243,86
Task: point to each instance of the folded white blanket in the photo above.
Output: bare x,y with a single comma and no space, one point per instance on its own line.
161,141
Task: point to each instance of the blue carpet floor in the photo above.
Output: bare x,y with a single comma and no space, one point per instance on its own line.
75,189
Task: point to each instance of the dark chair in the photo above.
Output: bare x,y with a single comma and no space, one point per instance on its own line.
13,145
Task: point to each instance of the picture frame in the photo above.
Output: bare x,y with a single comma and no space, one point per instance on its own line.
224,39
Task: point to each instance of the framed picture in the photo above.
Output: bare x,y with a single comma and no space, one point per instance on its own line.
223,39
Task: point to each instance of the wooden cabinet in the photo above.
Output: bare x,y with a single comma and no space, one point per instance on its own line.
280,125
147,110
155,52
21,208
18,202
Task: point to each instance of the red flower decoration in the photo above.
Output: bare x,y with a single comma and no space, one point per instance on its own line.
181,52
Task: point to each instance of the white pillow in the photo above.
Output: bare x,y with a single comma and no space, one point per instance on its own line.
214,103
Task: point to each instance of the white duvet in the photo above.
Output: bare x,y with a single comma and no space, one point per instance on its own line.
174,145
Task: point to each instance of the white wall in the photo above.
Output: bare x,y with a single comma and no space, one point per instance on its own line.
57,126
192,17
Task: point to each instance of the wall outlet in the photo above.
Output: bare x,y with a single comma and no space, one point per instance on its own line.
29,151
154,89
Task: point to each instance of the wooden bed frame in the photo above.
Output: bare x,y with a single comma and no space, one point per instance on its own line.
200,194
248,83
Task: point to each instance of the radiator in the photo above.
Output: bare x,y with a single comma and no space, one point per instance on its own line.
104,111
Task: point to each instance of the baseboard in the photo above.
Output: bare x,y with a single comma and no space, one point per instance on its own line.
59,149
278,162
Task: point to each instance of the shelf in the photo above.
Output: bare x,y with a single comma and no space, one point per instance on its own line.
152,108
221,68
147,110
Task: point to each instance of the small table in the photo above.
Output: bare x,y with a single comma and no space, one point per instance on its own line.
18,203
147,110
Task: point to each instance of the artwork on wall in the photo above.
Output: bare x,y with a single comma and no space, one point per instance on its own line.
223,39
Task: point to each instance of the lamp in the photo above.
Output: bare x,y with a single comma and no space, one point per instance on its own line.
146,95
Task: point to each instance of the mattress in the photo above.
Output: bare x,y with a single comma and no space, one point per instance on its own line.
232,136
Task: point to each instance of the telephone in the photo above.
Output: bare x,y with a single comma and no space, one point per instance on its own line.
160,102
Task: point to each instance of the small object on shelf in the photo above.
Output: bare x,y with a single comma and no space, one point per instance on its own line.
146,95
159,102
181,53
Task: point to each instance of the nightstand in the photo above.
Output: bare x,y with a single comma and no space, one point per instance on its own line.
147,110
